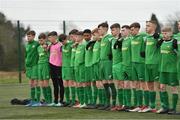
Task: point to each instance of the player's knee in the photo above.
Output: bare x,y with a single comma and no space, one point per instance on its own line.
174,90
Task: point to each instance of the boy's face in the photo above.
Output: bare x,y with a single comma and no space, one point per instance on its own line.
102,30
42,41
115,31
167,35
52,39
30,38
179,26
79,38
72,37
134,31
150,28
64,42
96,36
87,36
124,32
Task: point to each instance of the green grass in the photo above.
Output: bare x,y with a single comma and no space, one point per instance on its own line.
15,90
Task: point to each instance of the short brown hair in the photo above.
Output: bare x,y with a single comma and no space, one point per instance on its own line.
167,29
95,30
104,24
73,31
42,36
79,33
62,37
152,21
115,25
135,25
53,33
126,26
32,32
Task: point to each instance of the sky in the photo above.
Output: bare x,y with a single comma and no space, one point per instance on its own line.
47,15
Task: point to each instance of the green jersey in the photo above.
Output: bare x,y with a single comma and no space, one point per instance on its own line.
66,54
152,52
137,46
80,54
73,51
126,51
43,55
31,57
88,56
177,37
105,47
168,61
96,52
116,53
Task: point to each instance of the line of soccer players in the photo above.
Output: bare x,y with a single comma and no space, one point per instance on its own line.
121,71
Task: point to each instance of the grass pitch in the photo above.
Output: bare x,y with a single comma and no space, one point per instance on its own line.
9,88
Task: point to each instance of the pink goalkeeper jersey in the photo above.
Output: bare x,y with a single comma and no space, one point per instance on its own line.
56,54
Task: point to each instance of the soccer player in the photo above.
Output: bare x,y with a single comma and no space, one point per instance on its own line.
168,71
79,64
55,61
137,49
72,37
89,99
43,71
96,70
117,65
31,60
66,68
106,64
127,66
152,57
177,36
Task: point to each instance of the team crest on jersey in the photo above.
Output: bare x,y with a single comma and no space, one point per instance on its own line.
124,48
165,51
135,42
94,50
65,51
149,43
103,44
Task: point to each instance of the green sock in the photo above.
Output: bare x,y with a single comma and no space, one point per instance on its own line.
134,97
165,100
33,94
66,91
95,93
100,92
78,93
120,96
38,93
114,93
152,96
146,98
73,94
128,97
81,95
49,94
139,97
124,97
45,94
104,99
89,94
174,100
161,98
86,99
107,93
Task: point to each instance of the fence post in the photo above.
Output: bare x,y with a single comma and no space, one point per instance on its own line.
19,51
64,27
